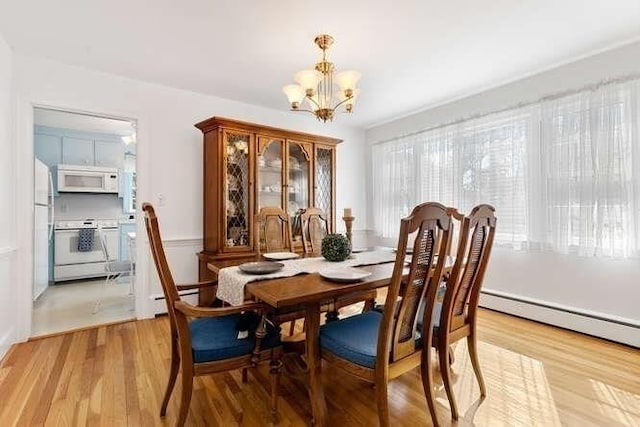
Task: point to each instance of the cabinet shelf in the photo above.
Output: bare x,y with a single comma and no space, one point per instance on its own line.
269,169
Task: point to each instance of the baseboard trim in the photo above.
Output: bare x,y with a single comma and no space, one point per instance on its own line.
614,328
6,342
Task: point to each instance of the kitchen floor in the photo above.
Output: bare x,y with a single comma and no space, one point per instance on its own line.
67,306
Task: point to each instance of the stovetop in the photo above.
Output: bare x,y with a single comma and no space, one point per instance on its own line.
86,223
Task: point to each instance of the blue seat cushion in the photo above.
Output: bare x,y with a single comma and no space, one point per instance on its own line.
354,338
215,338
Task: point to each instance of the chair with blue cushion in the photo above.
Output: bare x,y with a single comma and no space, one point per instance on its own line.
205,340
379,346
455,317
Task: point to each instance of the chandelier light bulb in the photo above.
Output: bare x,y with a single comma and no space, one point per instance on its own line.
295,95
347,80
308,79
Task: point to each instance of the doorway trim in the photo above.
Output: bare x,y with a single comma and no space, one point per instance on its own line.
25,213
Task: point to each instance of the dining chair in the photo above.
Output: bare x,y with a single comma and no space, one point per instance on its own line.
204,340
113,269
315,226
274,230
455,317
379,346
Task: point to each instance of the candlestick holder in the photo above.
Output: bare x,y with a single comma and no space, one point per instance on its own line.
348,223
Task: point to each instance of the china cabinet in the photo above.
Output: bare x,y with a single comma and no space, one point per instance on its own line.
248,167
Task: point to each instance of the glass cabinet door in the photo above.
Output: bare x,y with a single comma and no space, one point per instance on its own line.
270,177
298,177
236,188
324,160
298,187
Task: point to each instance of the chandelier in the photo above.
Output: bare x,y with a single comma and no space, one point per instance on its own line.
317,86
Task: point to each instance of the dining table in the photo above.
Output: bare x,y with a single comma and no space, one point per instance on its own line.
309,292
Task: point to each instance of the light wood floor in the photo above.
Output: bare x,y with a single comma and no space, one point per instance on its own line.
70,305
115,376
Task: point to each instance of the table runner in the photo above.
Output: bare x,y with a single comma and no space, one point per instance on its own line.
231,281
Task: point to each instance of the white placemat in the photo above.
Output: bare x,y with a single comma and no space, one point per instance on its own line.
231,281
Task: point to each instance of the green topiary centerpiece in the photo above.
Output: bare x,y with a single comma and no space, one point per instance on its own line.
335,247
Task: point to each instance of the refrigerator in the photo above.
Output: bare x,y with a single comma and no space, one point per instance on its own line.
43,227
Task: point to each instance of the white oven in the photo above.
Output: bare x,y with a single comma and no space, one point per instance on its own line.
87,179
72,263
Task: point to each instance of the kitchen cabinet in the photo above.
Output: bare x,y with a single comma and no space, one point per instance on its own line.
77,151
249,166
69,146
48,148
108,154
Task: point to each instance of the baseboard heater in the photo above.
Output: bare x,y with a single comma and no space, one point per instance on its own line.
614,328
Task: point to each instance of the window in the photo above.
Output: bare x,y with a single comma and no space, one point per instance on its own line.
588,152
563,174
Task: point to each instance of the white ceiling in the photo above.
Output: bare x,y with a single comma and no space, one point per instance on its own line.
412,53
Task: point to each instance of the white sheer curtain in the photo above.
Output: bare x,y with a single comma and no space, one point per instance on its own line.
395,185
482,161
564,175
462,165
590,162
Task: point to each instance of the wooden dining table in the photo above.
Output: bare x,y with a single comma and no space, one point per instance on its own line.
310,292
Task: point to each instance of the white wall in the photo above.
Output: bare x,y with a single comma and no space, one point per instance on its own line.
7,198
591,286
169,150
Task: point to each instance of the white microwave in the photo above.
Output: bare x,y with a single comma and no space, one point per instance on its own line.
87,179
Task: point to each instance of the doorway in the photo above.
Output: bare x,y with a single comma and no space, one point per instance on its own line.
84,221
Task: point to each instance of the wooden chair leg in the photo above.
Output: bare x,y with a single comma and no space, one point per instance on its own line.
382,400
426,369
331,316
452,356
445,371
292,327
173,374
244,375
275,370
369,305
473,354
187,390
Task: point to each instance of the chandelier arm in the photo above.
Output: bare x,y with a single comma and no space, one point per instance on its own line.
312,100
303,111
342,102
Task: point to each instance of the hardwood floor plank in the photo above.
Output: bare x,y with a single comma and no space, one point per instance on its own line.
116,376
28,385
53,383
